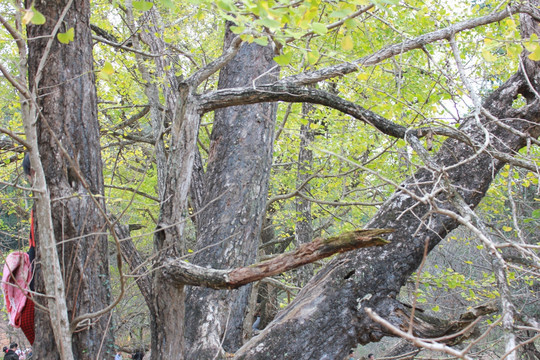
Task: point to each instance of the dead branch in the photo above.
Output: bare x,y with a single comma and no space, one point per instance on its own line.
184,273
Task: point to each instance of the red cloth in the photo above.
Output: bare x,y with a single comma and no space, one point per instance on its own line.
31,240
27,321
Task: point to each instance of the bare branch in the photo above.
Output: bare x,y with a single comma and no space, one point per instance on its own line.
12,135
124,47
20,87
133,191
418,342
181,272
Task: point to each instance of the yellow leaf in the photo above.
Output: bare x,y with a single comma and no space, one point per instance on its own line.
347,43
363,76
531,45
514,50
507,228
101,75
27,17
535,56
488,56
108,68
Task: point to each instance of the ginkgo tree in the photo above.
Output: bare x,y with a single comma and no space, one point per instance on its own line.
183,121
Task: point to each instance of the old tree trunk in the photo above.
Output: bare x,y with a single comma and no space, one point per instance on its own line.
236,183
68,139
329,315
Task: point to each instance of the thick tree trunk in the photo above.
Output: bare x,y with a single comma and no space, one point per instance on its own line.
236,183
68,138
327,318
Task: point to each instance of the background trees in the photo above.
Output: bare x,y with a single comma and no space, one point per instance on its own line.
397,137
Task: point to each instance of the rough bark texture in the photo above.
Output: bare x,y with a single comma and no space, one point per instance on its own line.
168,309
236,181
329,311
67,99
304,229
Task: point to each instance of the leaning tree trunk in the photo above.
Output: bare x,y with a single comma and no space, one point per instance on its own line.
328,316
236,185
68,138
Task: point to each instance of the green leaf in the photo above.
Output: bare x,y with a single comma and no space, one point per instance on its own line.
263,41
312,57
37,17
142,5
341,13
283,59
67,37
536,214
532,44
514,50
226,5
352,24
319,28
380,3
106,72
435,308
167,3
237,29
269,23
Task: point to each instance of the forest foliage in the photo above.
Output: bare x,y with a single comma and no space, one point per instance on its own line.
354,167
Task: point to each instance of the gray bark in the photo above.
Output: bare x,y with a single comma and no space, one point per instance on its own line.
236,182
304,229
167,303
